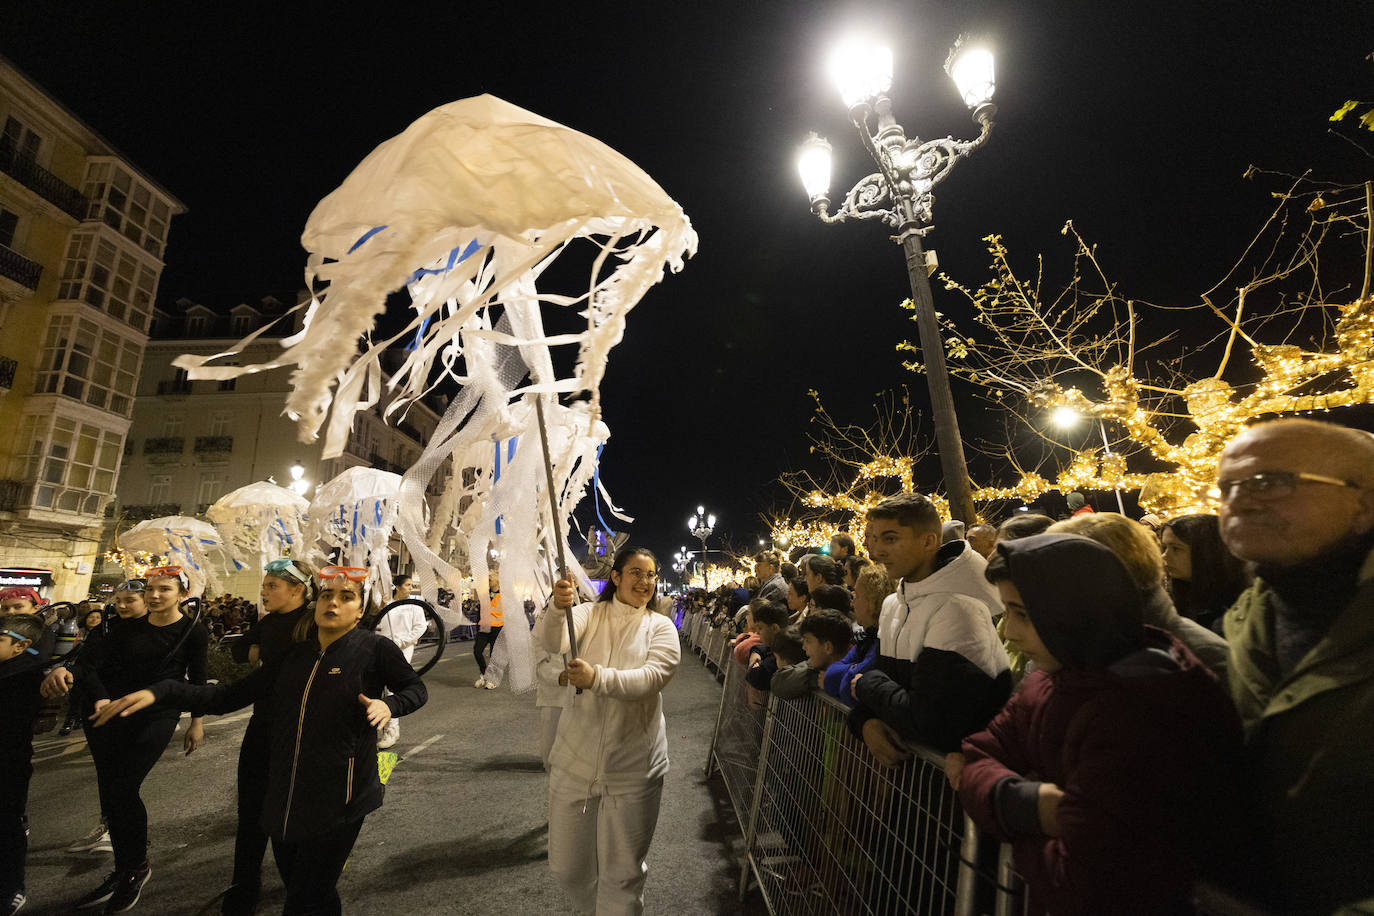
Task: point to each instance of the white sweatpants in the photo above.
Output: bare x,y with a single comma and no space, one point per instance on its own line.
598,842
548,731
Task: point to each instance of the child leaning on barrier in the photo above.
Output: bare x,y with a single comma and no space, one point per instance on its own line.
871,589
21,673
769,621
785,652
1114,771
826,636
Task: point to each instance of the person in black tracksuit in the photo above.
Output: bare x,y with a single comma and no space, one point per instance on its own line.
21,673
287,588
137,651
323,698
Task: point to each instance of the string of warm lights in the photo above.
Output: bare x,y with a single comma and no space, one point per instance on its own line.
134,564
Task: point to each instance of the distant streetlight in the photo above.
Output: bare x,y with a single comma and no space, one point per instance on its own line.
1067,418
901,194
298,481
701,525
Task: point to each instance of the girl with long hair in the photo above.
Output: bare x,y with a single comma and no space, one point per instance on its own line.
325,697
141,649
1204,577
609,758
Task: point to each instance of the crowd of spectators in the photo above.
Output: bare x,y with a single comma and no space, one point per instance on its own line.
1150,711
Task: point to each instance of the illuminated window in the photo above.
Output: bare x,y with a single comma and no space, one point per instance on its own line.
71,465
81,360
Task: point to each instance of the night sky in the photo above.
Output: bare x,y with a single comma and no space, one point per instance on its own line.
1136,120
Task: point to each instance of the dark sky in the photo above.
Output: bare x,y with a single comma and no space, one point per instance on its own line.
1137,120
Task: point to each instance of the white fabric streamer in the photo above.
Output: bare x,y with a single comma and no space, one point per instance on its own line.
261,522
351,521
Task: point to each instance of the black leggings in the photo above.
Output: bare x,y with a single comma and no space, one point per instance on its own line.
250,842
310,869
479,647
124,751
14,830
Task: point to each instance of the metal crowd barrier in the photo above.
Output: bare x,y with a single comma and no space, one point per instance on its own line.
737,741
829,831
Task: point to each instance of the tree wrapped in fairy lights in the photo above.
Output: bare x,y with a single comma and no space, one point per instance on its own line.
1287,330
862,465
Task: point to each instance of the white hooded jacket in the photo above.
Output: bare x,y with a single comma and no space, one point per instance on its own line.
613,732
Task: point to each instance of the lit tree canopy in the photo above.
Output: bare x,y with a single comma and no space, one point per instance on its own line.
1286,330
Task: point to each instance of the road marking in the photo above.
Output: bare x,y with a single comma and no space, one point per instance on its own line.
421,746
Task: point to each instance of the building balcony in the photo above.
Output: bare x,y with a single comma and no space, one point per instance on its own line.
145,511
14,266
214,445
12,495
45,184
7,369
167,445
174,386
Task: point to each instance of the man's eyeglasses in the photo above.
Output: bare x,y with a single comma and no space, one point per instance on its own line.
1267,485
284,567
641,575
351,573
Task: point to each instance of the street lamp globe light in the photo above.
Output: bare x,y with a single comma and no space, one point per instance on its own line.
813,162
970,65
861,69
1065,417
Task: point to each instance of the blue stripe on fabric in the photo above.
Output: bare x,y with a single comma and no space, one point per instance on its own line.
366,235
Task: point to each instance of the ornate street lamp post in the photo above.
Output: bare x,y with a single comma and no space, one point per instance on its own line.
901,194
701,525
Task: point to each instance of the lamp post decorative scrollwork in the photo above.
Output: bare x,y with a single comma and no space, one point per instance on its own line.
901,195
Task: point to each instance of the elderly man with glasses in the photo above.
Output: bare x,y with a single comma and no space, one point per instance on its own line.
1297,503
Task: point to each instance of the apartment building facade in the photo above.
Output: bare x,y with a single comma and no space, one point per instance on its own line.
82,236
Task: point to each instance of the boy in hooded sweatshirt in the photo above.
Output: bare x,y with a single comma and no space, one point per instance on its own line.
941,671
1113,771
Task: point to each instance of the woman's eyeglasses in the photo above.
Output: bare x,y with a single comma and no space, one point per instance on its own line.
169,571
284,567
351,573
641,575
1267,485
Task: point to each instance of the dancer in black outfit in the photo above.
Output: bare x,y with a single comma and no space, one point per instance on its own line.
161,645
287,588
325,708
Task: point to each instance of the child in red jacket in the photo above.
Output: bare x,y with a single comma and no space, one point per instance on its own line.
1115,770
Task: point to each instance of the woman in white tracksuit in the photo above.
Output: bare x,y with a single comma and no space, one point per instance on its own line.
611,752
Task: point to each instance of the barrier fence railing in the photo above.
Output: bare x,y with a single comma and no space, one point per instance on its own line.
827,829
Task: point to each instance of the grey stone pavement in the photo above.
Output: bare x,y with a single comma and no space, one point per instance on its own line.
463,830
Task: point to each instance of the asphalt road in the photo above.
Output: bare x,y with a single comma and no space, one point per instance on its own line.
463,830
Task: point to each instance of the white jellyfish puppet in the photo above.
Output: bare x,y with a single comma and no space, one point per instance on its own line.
190,543
352,519
260,522
467,209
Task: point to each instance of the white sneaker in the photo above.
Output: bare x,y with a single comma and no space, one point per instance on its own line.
384,743
490,685
98,840
480,682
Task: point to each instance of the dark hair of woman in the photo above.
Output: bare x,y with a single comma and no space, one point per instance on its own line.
799,586
1219,576
833,597
823,566
623,556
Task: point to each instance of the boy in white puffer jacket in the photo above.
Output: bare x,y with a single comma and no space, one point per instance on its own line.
611,752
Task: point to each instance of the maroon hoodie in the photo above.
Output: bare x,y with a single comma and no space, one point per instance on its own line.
1138,734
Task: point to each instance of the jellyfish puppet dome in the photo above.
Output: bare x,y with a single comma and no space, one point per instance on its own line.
466,208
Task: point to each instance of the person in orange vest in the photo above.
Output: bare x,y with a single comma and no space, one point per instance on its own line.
489,631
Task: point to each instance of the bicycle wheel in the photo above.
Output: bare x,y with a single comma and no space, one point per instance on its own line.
430,647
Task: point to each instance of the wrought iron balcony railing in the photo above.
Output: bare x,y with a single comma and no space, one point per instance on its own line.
33,176
19,268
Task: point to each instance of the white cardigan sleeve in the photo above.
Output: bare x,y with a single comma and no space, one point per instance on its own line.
553,628
650,678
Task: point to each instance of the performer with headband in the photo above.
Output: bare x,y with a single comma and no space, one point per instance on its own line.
611,753
324,695
288,587
143,650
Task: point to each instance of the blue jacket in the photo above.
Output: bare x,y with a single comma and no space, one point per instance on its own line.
857,660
